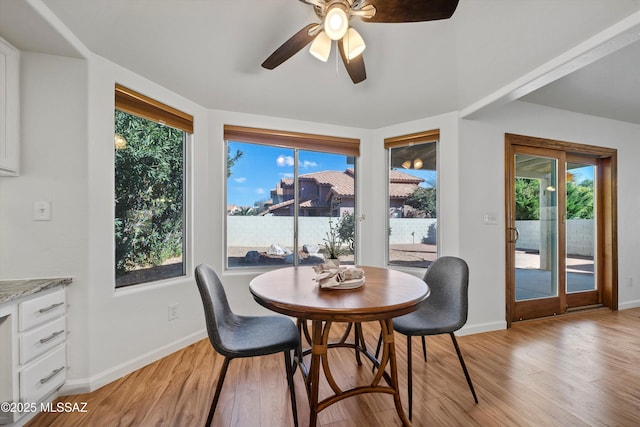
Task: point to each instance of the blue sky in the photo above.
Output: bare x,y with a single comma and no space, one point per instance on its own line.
580,174
262,166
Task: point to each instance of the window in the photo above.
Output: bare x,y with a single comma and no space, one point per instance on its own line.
413,213
150,141
290,198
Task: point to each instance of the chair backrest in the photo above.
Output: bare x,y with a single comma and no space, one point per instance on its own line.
448,279
217,311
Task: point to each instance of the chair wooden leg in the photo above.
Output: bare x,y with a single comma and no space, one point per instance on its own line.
292,390
424,349
409,377
216,396
464,367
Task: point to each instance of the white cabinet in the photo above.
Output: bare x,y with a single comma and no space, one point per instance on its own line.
9,109
38,380
33,337
42,343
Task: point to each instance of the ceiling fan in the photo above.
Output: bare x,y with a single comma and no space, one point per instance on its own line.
335,16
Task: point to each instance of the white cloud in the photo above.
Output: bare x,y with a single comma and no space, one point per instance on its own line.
284,161
286,175
308,164
240,180
260,191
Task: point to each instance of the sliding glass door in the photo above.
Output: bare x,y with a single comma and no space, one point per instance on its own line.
560,228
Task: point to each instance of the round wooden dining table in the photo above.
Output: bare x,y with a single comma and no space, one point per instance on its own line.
386,294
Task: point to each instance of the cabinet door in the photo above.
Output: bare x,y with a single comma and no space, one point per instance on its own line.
41,310
41,378
42,339
9,109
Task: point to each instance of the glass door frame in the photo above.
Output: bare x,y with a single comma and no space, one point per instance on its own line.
606,229
553,304
587,298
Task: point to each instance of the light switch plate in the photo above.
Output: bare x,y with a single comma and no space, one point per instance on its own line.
42,210
490,218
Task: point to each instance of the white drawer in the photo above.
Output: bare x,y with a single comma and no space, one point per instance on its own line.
42,339
44,376
39,310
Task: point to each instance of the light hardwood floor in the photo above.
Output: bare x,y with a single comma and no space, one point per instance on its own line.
581,369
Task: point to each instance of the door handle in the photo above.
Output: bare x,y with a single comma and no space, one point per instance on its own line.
515,234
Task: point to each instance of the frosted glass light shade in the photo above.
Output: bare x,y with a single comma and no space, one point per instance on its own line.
417,164
406,164
353,43
321,47
336,22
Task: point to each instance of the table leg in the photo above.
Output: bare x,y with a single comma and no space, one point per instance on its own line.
318,350
319,347
390,348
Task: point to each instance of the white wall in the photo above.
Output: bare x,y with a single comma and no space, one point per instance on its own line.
129,327
53,168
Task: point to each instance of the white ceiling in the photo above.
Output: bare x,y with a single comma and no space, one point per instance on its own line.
210,51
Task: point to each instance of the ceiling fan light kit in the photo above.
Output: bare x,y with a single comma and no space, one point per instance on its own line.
321,47
355,44
335,16
417,164
336,20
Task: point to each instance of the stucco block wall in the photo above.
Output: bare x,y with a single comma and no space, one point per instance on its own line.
579,236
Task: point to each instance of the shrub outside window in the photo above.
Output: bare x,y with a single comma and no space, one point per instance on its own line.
149,199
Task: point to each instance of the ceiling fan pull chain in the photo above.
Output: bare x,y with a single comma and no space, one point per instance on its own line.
336,55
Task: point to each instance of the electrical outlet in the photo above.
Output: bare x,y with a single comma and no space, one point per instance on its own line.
173,311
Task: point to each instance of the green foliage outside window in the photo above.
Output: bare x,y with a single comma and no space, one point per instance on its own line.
527,199
424,201
149,180
346,229
579,199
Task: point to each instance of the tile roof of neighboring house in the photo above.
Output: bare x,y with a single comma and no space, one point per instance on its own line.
314,203
340,182
402,185
401,177
281,205
401,190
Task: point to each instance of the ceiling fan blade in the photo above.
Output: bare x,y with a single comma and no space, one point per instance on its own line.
392,11
355,66
290,47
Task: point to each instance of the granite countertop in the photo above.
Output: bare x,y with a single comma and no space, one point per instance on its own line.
14,289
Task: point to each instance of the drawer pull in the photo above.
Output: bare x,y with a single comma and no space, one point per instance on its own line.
53,374
50,337
51,307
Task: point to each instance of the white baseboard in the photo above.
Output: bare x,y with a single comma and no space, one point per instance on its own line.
630,304
477,328
87,385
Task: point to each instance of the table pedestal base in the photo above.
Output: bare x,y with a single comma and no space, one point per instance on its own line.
319,346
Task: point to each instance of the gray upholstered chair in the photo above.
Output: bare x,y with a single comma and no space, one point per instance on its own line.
235,336
443,312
